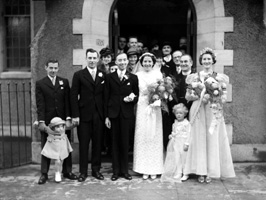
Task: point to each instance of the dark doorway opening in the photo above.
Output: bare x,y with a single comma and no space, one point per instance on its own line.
150,20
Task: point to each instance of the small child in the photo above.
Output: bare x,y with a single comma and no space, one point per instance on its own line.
57,145
177,147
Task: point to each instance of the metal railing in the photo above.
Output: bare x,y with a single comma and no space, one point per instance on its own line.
16,126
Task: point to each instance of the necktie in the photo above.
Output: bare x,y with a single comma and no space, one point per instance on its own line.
121,76
93,74
53,81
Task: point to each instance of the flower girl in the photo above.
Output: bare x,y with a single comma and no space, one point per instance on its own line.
177,147
57,146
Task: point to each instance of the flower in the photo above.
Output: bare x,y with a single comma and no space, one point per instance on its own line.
194,89
61,82
162,90
100,74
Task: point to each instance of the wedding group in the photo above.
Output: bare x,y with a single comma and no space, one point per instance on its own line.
149,102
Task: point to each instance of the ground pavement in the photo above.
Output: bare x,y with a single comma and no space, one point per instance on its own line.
21,183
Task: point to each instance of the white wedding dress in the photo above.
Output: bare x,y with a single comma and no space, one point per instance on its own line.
148,145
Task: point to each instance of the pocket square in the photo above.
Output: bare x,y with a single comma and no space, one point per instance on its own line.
128,83
102,82
62,88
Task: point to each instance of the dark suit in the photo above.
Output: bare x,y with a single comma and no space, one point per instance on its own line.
87,104
121,115
53,101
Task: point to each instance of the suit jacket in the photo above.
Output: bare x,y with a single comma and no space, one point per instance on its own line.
87,95
115,92
52,101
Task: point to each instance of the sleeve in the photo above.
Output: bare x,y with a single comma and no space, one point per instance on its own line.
222,78
74,94
173,129
67,100
188,134
136,89
40,102
106,94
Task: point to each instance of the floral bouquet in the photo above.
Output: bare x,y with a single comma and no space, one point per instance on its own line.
162,91
215,94
194,89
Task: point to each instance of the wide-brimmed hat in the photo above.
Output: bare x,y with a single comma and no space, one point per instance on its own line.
56,121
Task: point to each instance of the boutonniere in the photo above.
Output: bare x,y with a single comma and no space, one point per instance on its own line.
126,77
100,74
61,82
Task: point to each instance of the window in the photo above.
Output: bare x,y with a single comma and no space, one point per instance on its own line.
17,22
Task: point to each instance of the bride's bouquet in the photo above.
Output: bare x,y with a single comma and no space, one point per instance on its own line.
194,89
162,91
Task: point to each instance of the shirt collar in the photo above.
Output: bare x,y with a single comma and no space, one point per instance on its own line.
186,73
51,78
90,70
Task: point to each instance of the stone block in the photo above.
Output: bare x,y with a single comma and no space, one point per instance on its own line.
206,26
219,8
225,57
100,11
204,9
99,27
229,92
81,26
248,152
79,57
224,24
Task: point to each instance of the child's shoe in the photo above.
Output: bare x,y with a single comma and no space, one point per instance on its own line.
184,178
145,176
153,176
208,179
58,177
201,179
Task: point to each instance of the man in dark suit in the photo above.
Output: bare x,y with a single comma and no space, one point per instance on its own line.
87,112
52,99
120,94
185,64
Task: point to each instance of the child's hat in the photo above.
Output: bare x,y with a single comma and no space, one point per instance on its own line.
56,121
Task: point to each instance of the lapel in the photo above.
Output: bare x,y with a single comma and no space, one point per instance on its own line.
47,81
127,74
86,74
98,78
114,75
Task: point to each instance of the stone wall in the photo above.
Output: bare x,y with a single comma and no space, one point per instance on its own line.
247,76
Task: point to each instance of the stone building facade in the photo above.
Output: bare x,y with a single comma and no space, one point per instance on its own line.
64,29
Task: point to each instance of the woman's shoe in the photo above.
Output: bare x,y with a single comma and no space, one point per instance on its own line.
153,177
208,179
145,176
201,179
184,178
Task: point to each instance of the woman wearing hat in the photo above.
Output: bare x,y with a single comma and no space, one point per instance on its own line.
132,55
106,56
57,146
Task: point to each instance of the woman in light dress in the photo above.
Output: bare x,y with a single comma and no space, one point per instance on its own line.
209,154
148,143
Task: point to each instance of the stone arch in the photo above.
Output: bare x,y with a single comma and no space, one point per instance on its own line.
211,26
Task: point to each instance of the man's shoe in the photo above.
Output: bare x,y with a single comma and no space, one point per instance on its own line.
82,177
145,176
70,176
58,177
154,176
97,175
127,176
43,179
114,177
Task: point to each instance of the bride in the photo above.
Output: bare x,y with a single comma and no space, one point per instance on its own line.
148,145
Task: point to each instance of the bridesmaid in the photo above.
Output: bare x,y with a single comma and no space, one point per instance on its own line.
209,154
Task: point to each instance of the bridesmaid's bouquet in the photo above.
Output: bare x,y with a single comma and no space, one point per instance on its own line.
162,91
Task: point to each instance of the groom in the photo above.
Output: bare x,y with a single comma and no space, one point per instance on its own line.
120,95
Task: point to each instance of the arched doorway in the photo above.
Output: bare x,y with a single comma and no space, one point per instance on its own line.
156,20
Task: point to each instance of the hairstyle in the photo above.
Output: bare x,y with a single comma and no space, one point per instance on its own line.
178,51
120,54
122,37
105,52
209,51
51,61
147,55
190,58
132,36
92,51
180,106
